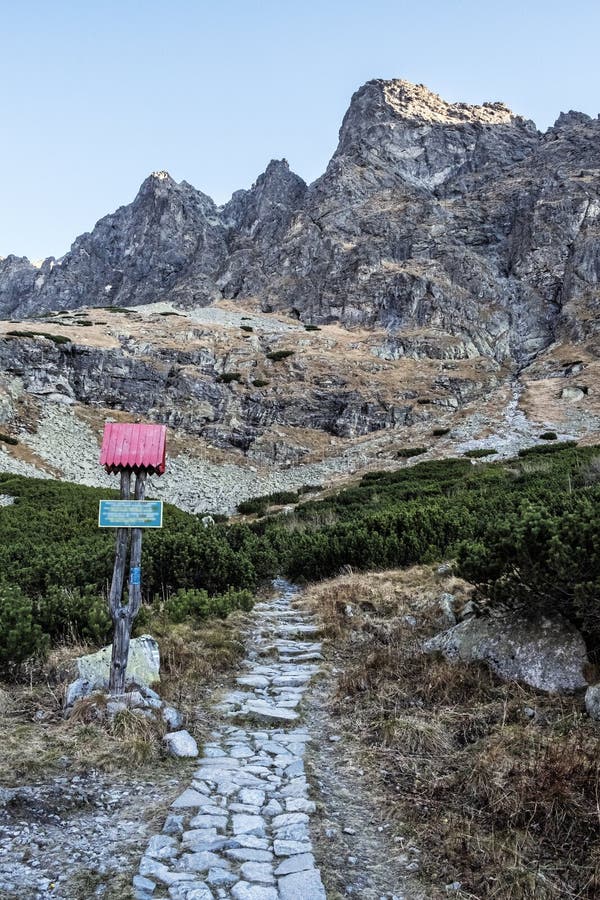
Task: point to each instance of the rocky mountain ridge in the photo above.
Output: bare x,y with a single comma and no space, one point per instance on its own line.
461,220
427,291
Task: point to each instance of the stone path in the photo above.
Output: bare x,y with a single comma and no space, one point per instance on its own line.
241,830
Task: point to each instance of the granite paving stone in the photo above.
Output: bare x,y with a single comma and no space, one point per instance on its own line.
242,830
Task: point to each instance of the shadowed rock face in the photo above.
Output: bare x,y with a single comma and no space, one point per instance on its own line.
171,232
434,220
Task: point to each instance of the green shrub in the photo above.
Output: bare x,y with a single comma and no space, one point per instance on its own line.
258,505
407,452
228,377
170,312
71,614
310,488
311,328
548,436
277,355
542,450
8,439
480,452
195,604
438,432
260,382
55,338
21,637
528,529
423,401
247,328
542,558
51,546
252,507
280,498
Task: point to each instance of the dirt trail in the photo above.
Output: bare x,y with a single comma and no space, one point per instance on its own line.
357,846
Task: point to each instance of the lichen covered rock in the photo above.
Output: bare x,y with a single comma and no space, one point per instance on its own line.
180,743
548,654
142,667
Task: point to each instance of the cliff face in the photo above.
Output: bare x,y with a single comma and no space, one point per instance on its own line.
142,251
433,220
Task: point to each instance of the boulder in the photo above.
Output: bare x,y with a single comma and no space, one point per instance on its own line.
468,611
446,604
592,701
142,667
114,707
77,690
172,717
572,393
546,653
180,743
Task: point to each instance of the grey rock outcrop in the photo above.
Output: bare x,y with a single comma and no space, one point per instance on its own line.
547,654
181,744
459,228
181,389
143,665
592,701
168,241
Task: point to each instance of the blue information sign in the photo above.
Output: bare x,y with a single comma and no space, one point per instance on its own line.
130,514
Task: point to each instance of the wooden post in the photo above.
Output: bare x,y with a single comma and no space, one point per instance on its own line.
135,578
123,614
128,447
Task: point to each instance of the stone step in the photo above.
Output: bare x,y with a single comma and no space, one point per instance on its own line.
241,829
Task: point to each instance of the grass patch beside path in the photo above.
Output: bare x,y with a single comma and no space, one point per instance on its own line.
495,783
38,742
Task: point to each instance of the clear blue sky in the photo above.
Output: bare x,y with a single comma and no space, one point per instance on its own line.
95,94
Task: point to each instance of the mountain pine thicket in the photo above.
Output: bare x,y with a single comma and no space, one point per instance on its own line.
526,532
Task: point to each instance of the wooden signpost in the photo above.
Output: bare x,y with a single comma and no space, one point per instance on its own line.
138,450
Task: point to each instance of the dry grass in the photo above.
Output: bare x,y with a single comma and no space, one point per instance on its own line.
505,802
86,884
35,738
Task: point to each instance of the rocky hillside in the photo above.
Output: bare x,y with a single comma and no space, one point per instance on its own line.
440,276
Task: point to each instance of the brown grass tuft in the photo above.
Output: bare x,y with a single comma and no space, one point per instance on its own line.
140,737
504,801
35,737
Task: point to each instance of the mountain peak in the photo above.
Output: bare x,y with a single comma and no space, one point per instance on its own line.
573,117
157,182
277,165
418,103
405,131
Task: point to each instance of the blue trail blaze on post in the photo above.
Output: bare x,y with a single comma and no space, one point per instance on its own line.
135,575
